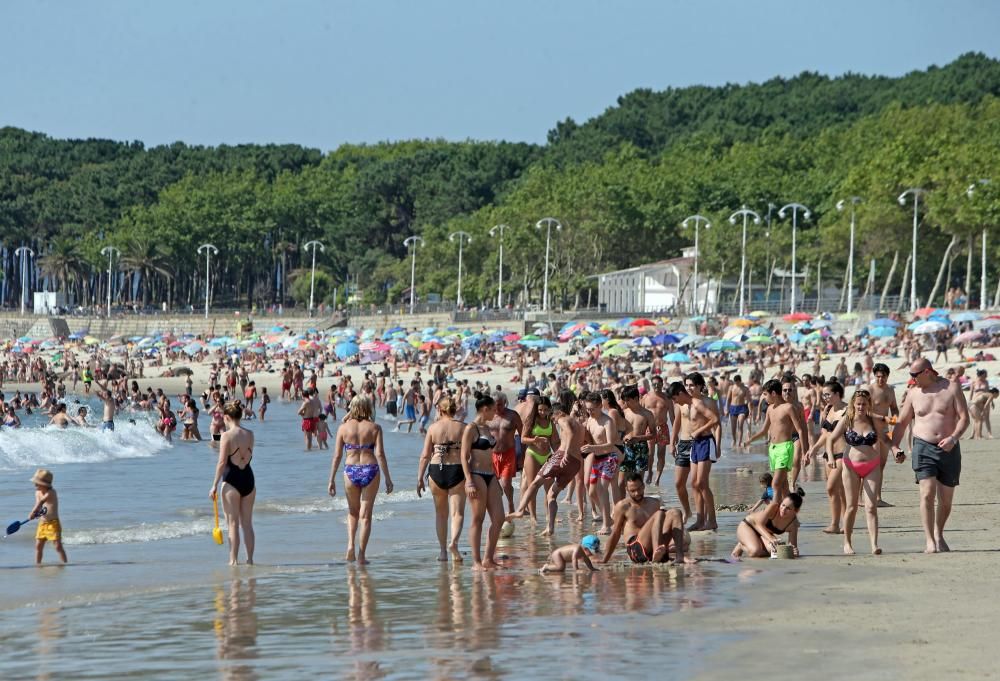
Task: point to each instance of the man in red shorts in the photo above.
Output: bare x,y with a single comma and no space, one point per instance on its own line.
309,411
504,426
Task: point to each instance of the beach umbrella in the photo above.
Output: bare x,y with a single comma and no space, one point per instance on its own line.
24,339
760,340
624,321
759,331
796,337
77,335
884,321
744,322
758,314
642,342
689,340
582,364
666,339
598,340
925,312
697,318
847,316
676,357
797,317
881,331
930,327
968,337
965,316
531,337
511,337
367,334
615,341
431,345
734,335
642,322
375,346
620,350
540,325
821,323
541,344
720,346
277,329
345,349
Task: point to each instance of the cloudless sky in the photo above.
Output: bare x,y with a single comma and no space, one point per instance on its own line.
321,73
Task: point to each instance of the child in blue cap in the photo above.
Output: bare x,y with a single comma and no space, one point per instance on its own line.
573,553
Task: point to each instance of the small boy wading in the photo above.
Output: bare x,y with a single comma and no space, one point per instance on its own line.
48,527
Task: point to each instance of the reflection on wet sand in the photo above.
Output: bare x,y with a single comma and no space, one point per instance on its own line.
50,631
236,630
365,629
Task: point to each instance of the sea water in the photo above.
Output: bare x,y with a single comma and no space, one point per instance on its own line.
148,594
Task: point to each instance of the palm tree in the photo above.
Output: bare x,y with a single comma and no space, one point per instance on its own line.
63,262
148,257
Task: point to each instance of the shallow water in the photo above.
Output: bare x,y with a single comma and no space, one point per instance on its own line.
149,595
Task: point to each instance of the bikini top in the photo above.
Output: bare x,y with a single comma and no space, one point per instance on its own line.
539,431
349,445
828,426
773,529
483,442
442,448
855,439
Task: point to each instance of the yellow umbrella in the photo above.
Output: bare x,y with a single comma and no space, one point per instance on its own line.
743,322
614,341
90,340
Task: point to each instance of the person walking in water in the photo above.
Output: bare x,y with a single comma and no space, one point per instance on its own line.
441,461
239,488
361,438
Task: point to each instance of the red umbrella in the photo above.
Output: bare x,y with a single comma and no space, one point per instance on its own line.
642,322
797,317
431,345
582,364
511,337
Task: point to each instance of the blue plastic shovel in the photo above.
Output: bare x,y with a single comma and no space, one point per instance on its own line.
17,524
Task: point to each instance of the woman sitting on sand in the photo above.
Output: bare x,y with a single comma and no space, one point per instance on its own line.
481,484
757,535
833,396
361,438
239,488
442,461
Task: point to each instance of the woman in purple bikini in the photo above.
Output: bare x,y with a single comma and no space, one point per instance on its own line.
360,438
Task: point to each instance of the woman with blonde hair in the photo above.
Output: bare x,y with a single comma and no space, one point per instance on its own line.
441,460
361,438
239,488
481,484
862,465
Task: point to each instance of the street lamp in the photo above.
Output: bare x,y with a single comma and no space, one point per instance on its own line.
982,275
796,207
547,222
746,213
855,200
24,252
413,241
462,237
312,277
110,251
209,251
698,220
916,191
498,229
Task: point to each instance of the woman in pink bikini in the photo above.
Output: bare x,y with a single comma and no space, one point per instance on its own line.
862,468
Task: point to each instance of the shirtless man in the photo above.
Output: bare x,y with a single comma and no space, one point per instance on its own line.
884,407
641,434
738,398
310,410
806,394
409,407
694,443
659,405
939,414
782,423
104,393
650,530
601,444
504,426
790,393
563,465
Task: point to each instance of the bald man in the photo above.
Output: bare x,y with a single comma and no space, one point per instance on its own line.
939,414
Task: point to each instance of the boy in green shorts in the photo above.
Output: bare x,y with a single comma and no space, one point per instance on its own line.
783,424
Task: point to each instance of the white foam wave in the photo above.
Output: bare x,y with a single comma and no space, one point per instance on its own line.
50,446
142,532
338,503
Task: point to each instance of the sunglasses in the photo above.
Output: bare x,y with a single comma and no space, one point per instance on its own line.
862,393
914,374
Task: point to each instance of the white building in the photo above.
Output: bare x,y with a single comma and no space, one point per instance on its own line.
666,286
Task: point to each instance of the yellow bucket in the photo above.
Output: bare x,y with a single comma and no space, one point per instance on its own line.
216,531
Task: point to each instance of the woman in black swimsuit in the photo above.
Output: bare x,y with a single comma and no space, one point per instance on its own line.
481,484
832,396
758,533
442,461
238,485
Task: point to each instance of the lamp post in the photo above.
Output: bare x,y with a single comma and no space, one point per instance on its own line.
413,241
982,274
547,222
854,200
312,277
494,231
209,250
745,213
24,252
796,207
110,251
462,237
698,220
916,192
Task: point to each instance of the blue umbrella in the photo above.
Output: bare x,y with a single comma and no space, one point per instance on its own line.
966,317
539,344
345,349
720,346
882,331
676,357
665,339
884,321
598,340
759,331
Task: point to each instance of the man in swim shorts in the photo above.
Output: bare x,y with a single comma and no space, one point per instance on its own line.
937,456
695,420
310,410
504,426
783,421
883,408
738,398
636,442
659,404
652,532
604,468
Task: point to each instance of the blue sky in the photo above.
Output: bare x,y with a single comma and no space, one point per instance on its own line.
324,73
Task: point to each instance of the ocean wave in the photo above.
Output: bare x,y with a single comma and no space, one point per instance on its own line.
329,504
140,533
50,446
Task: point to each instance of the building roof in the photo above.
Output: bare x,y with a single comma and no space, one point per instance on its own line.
647,266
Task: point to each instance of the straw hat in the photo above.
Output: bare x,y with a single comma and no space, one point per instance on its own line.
42,477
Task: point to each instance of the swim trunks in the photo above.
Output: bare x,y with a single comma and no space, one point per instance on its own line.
390,408
309,424
49,529
603,468
704,449
635,551
410,412
505,463
930,461
636,457
683,458
108,425
560,467
739,410
781,455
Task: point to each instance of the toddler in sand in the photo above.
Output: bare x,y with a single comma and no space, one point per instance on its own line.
48,528
573,553
767,496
